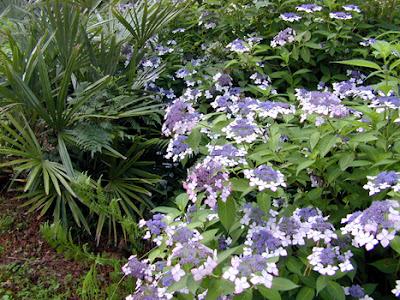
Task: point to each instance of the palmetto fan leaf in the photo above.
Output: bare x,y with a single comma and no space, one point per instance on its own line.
121,193
141,23
46,182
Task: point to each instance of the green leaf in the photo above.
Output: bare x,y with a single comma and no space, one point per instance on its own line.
218,287
335,291
226,212
326,144
305,54
264,201
314,138
181,201
304,165
173,212
346,160
222,256
65,158
360,63
386,265
294,265
181,284
305,293
209,235
246,295
239,184
363,137
322,282
395,244
269,293
194,138
369,288
283,284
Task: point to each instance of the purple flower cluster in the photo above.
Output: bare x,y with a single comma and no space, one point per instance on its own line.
202,259
324,104
222,81
305,223
351,7
227,155
377,224
265,177
262,81
151,62
254,269
180,118
209,179
150,292
253,215
177,148
328,260
243,130
238,46
186,253
383,181
309,8
368,42
385,102
340,15
274,109
290,17
136,268
284,37
357,292
263,241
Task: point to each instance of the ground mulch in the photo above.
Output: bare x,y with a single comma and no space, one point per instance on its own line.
23,244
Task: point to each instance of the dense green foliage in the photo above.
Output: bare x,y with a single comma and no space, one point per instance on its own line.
272,110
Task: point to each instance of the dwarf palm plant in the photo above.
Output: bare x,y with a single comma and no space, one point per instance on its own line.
68,103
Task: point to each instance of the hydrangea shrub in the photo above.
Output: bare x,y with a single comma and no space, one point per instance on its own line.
292,182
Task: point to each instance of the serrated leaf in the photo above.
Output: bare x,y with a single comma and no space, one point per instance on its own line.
173,212
246,295
209,235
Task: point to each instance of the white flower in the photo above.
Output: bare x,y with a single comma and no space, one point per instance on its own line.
385,237
265,279
177,273
241,284
396,290
230,274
